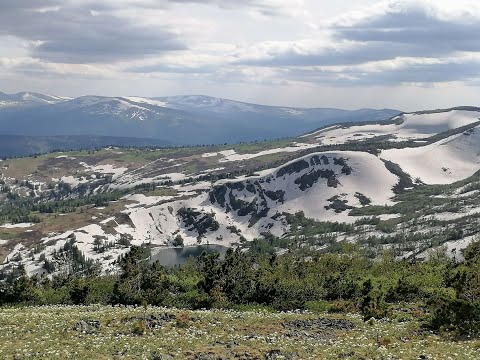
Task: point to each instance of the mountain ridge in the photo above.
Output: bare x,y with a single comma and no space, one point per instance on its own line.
173,118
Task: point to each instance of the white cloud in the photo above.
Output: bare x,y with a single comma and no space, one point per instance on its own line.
162,47
262,7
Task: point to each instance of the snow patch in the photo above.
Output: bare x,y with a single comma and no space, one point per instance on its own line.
17,226
207,155
408,127
444,162
146,101
233,156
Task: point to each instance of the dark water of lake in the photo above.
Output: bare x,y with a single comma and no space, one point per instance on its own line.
178,256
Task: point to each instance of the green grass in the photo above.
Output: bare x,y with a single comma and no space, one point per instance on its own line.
21,168
162,191
259,146
48,333
8,234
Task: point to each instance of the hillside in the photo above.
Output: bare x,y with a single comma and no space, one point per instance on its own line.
405,127
382,186
452,159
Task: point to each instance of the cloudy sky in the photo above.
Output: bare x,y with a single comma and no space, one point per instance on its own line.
403,54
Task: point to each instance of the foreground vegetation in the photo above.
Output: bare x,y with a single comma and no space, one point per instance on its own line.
249,305
102,332
444,292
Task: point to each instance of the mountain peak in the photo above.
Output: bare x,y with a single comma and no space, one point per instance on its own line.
28,99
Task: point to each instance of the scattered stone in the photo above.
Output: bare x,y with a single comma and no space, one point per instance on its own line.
162,357
87,326
207,356
227,344
317,329
346,355
273,354
277,354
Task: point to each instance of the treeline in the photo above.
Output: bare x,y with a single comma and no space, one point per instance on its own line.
92,149
444,293
62,198
26,209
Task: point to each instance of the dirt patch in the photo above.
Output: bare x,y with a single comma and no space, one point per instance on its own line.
124,219
3,254
109,227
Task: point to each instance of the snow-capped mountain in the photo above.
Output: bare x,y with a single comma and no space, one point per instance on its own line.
122,108
28,99
213,105
103,116
181,120
208,103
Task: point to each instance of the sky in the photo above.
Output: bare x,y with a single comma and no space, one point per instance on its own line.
402,54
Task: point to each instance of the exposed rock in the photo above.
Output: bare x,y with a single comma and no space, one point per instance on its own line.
307,180
251,188
195,220
162,357
295,167
87,326
364,201
278,195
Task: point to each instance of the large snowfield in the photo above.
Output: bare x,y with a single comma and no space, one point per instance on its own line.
407,127
443,162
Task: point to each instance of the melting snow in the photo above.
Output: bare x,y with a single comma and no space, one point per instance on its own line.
233,156
65,157
146,101
73,181
20,225
443,162
413,126
206,155
106,169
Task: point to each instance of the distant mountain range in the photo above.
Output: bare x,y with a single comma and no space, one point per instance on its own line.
177,120
23,99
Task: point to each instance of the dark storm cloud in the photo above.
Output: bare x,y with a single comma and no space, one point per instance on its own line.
400,31
352,55
426,73
410,73
75,34
417,27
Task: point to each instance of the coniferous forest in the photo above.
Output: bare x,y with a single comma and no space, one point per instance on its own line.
442,293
